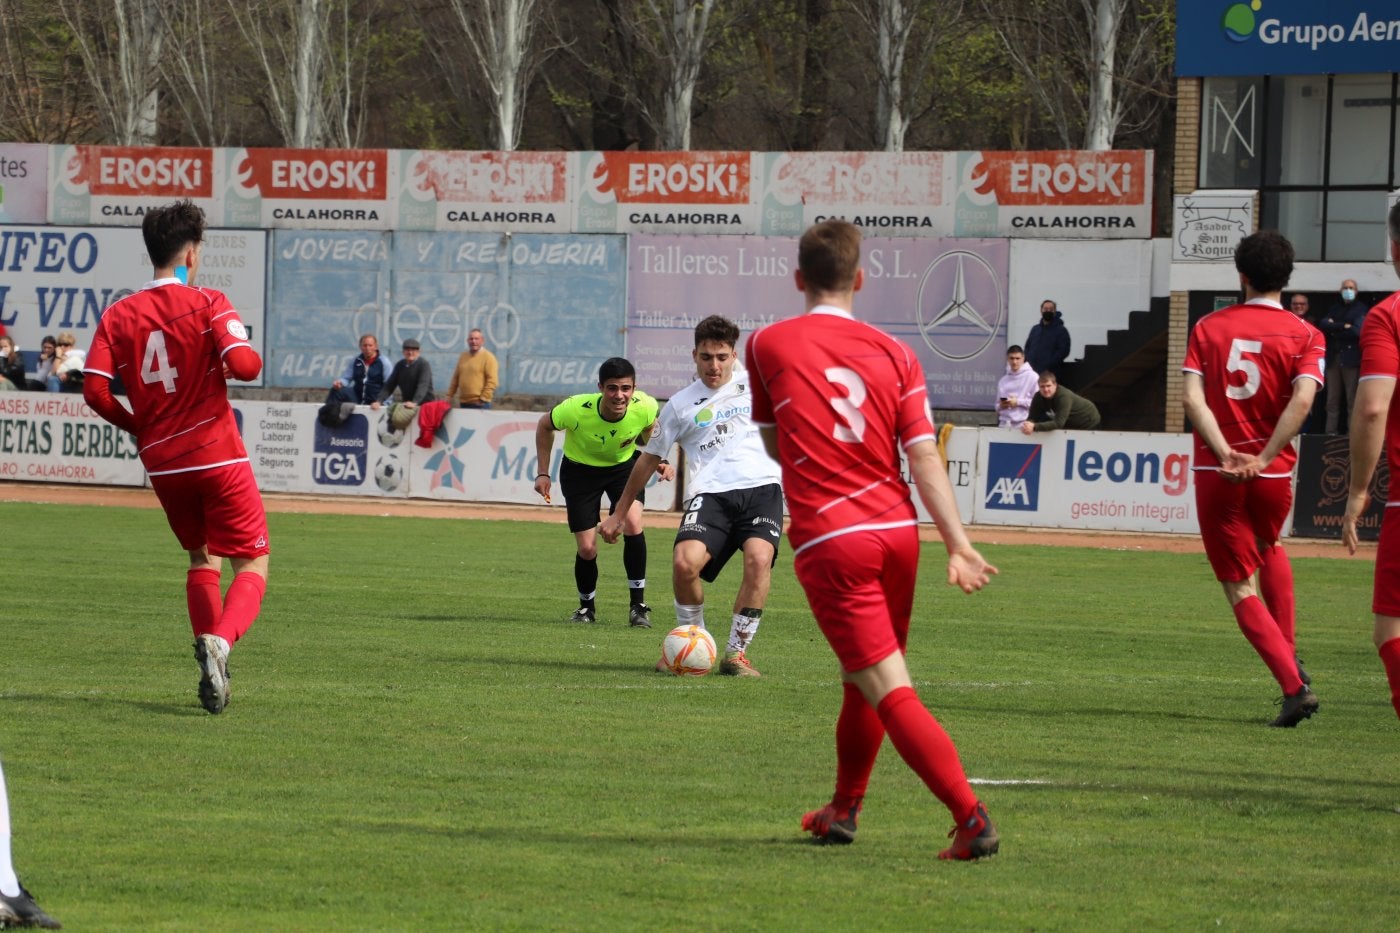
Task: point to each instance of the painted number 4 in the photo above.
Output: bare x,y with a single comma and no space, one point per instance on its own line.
847,407
155,365
1238,364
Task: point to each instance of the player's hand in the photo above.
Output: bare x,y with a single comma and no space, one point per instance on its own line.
969,571
1356,507
1238,467
611,528
542,486
665,471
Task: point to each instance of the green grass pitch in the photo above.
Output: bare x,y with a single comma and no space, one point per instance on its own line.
417,741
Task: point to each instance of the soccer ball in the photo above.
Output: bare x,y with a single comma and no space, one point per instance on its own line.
388,473
389,435
688,650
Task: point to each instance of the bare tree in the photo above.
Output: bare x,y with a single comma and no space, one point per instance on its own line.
197,70
120,43
43,87
508,51
1089,64
906,36
309,53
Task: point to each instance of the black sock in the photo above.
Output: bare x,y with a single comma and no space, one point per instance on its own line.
634,562
586,579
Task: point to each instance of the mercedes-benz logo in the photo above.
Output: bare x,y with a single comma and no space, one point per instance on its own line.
960,305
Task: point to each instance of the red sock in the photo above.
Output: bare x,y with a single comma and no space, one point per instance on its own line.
926,748
1276,586
204,600
1390,657
241,606
859,733
1263,633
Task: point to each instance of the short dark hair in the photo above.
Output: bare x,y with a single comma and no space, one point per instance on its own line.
1048,376
169,229
1265,258
616,367
717,329
1015,348
829,255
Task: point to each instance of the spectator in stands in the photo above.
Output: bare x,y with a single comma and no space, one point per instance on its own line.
1015,389
364,376
475,379
412,377
11,365
1047,345
43,362
1342,327
66,369
1302,308
1054,407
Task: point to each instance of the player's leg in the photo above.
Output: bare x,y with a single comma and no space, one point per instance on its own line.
756,522
203,595
634,547
1267,503
688,557
17,907
1385,602
583,497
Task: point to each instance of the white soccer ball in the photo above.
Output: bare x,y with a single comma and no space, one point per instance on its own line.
388,473
389,435
688,650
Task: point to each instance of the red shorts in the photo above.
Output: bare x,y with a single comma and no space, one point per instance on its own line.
861,590
1234,517
220,508
1385,597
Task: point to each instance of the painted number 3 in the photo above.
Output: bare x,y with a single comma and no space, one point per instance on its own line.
155,365
1238,364
847,407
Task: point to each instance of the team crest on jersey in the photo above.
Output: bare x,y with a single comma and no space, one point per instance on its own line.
1013,477
236,329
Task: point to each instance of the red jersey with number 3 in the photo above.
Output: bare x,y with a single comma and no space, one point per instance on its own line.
1248,357
845,397
166,344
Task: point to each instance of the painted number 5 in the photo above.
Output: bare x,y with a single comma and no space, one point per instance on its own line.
1238,364
155,364
847,407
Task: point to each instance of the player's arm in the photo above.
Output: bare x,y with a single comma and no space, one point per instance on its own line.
1368,417
544,452
967,569
611,526
769,433
1291,421
242,363
1193,399
97,392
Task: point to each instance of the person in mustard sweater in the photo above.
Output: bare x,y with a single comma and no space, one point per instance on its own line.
475,379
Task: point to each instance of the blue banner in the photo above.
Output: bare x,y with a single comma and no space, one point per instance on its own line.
1279,37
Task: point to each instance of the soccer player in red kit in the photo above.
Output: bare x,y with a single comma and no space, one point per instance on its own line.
1251,372
836,400
1376,422
172,345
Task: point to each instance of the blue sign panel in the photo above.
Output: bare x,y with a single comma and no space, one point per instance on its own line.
1279,37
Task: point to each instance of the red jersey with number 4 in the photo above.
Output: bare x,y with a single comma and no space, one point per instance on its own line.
1380,359
166,344
1249,356
845,397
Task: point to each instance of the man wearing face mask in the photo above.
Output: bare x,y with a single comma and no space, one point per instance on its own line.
1342,326
1047,345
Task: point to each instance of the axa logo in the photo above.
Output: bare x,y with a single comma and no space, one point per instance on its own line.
1238,20
1013,477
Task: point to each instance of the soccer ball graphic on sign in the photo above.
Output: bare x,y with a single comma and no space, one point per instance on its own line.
389,435
388,473
688,650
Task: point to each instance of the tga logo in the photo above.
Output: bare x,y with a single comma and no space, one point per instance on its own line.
340,453
1013,477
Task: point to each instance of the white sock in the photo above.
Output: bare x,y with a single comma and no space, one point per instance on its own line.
690,615
9,884
741,630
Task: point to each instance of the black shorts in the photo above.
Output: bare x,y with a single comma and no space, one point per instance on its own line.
723,521
584,485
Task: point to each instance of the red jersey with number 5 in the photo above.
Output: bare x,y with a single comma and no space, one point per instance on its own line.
846,398
1248,357
166,344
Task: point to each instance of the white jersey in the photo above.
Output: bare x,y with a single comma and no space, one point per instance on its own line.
723,449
